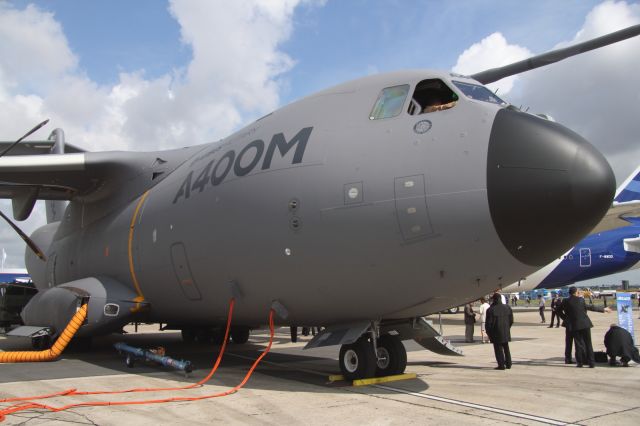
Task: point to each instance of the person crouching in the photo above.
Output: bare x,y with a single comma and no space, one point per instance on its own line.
619,342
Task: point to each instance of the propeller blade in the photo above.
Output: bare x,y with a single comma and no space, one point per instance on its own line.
35,129
25,238
495,74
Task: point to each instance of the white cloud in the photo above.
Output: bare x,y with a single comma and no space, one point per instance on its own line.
9,240
234,75
596,94
493,51
34,52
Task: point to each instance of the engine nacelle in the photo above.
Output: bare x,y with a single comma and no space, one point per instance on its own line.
110,306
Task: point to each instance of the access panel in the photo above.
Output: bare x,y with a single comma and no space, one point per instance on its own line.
183,272
411,207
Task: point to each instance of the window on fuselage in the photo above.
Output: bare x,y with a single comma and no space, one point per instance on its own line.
479,93
430,96
389,103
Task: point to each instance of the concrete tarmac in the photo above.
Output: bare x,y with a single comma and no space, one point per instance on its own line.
291,386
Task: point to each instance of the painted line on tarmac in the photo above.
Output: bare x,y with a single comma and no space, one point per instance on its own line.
476,406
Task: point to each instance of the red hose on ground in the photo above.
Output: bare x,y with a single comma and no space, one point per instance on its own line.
35,405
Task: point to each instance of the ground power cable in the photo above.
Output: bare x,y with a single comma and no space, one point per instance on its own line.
75,392
27,405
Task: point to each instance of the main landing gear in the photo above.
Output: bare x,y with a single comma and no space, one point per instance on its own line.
371,356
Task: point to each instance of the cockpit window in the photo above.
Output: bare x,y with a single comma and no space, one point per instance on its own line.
390,102
430,96
479,93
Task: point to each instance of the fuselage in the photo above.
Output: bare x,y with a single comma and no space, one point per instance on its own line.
337,214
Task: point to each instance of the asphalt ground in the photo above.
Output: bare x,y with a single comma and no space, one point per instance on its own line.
291,386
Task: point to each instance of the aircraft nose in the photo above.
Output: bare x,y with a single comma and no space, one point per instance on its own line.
547,186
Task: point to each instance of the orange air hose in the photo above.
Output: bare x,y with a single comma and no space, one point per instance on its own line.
58,347
70,392
31,405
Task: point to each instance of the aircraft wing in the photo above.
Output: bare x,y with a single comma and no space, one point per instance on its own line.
614,218
36,148
26,157
88,175
27,178
626,203
44,177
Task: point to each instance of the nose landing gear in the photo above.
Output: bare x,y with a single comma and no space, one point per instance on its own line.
359,360
392,356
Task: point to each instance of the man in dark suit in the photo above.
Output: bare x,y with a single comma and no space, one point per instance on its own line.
568,337
498,326
619,342
573,311
469,322
555,304
568,342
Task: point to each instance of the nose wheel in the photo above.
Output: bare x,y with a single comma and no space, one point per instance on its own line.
358,360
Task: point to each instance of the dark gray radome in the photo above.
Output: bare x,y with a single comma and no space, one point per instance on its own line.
547,186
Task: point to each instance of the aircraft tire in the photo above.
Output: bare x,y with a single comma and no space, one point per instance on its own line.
240,334
357,360
129,361
393,356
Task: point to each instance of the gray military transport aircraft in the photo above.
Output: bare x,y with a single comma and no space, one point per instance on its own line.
360,208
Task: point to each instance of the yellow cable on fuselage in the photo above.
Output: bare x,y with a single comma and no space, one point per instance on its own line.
134,278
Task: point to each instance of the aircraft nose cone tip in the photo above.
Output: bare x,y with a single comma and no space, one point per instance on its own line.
547,186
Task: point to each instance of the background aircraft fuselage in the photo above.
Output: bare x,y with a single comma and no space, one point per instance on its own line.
595,256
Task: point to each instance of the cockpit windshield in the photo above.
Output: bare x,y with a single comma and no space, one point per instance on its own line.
479,93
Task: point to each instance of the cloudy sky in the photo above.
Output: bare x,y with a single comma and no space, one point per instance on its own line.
148,74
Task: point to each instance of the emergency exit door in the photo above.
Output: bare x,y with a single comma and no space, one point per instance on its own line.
585,257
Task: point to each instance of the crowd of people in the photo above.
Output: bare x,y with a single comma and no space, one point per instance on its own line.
496,321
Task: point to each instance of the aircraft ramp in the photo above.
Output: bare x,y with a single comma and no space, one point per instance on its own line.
425,334
419,329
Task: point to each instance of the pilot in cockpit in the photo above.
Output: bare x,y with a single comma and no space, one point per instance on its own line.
433,101
431,95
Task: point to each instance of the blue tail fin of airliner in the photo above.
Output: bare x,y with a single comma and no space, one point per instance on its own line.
630,189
